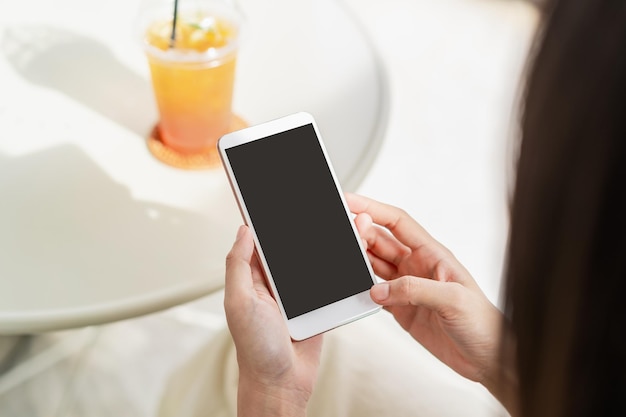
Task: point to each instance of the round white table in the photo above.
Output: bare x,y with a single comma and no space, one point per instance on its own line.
92,227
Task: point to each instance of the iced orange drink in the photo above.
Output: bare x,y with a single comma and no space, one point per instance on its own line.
193,76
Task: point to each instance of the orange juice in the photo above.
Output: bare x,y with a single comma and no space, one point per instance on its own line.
193,79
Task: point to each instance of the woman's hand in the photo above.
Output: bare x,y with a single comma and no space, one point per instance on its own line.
276,374
430,294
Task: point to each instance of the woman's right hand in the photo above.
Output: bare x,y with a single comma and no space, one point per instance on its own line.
430,294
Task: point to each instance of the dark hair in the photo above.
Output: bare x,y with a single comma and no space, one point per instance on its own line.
565,290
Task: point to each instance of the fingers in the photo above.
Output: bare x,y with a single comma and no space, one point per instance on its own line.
396,220
379,241
409,290
382,268
383,259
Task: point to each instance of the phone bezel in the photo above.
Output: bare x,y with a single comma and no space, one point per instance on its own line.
323,318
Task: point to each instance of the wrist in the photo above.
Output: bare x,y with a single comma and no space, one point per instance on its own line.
255,398
502,381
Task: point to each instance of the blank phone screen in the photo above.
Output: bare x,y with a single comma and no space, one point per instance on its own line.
302,226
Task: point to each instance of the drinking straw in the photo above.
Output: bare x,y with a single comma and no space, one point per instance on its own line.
173,37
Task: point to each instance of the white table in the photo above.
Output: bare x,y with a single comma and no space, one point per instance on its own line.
92,228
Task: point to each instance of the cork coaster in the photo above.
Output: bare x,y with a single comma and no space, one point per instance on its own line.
205,160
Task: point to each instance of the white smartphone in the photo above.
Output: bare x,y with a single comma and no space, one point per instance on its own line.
304,233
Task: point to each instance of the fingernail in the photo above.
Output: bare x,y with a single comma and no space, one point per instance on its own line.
380,292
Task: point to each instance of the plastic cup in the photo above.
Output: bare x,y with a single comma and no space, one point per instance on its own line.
193,77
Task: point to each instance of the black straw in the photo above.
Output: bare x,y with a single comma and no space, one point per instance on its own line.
173,37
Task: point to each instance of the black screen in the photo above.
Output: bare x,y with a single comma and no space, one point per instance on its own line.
300,221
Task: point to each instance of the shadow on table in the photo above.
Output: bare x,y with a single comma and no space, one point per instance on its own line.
72,235
83,69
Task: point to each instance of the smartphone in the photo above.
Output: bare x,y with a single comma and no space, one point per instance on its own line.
304,234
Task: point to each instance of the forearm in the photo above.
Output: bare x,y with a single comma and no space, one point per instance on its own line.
256,400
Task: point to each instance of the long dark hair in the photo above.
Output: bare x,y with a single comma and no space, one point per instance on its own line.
565,292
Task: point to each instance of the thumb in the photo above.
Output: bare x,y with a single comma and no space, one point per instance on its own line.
410,290
238,271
